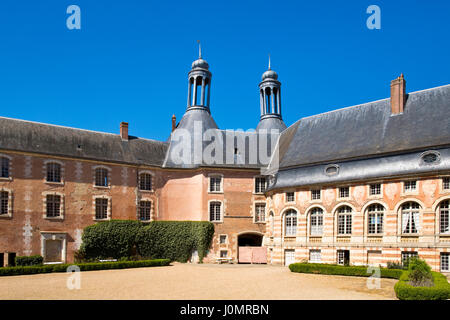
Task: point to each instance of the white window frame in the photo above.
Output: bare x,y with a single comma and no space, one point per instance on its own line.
291,230
220,236
108,177
255,184
10,203
61,205
406,187
410,213
139,209
152,179
215,176
315,256
445,184
61,171
319,216
312,192
347,220
108,208
255,213
444,211
286,200
339,192
221,211
379,214
375,195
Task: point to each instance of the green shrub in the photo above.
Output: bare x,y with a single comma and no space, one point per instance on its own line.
440,290
175,240
12,271
419,273
109,239
29,260
395,265
333,269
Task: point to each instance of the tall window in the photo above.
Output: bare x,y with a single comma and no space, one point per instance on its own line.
290,222
101,177
260,212
4,173
214,211
344,220
445,262
446,183
315,194
410,217
4,202
290,196
375,217
53,172
215,184
444,216
53,205
375,189
409,186
145,181
101,208
260,184
144,210
344,192
316,221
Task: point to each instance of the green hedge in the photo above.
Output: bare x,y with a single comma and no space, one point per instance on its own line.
109,239
334,269
119,239
13,271
29,260
440,290
175,240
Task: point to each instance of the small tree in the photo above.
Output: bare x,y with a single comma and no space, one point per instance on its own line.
419,273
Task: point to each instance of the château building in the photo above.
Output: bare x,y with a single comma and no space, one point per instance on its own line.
366,184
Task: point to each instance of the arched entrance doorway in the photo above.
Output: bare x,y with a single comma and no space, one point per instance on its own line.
251,249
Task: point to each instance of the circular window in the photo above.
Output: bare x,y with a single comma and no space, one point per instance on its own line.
430,157
332,170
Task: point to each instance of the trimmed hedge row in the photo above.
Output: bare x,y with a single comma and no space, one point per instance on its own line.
14,271
334,269
35,260
175,240
440,290
119,239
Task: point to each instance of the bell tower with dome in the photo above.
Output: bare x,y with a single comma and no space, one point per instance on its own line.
199,90
270,101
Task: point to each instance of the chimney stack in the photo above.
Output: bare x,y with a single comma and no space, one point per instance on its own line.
398,95
174,122
124,130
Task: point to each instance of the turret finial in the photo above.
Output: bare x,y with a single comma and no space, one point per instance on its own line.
199,49
269,61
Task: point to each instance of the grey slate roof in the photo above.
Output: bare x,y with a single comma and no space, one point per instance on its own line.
54,140
368,130
366,142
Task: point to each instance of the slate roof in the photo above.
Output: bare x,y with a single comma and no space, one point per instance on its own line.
368,130
27,136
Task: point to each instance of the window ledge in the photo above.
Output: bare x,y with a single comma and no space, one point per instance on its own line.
144,191
258,193
375,235
6,216
216,192
259,222
54,183
60,218
107,219
444,235
102,187
216,221
5,178
410,235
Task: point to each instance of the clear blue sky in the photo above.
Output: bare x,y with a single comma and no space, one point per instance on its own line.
129,62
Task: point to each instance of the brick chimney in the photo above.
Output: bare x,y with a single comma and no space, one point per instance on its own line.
398,95
174,122
124,130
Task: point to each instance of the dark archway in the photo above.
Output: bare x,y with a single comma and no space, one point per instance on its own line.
250,240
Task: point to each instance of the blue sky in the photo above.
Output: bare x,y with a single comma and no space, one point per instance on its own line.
129,62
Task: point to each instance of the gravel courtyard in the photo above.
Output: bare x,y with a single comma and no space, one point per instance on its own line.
189,281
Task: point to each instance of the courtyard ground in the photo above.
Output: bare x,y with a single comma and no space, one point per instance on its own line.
190,281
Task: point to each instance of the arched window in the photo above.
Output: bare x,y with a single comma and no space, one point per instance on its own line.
101,177
53,172
444,216
145,181
316,222
290,223
410,217
375,217
344,220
